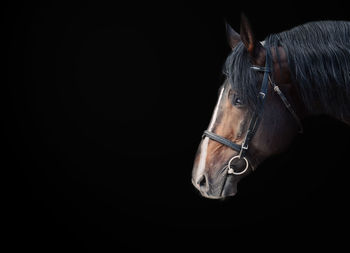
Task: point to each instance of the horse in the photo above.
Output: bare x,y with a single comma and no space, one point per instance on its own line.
270,87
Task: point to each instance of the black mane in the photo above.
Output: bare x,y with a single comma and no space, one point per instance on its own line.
242,78
319,59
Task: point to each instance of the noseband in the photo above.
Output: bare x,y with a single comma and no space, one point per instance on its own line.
255,121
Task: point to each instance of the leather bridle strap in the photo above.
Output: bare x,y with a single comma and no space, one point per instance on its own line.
222,140
287,104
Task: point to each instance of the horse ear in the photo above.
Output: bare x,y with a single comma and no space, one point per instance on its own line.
233,37
253,46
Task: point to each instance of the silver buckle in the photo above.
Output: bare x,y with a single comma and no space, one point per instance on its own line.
243,147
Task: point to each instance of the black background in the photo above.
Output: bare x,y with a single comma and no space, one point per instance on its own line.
104,106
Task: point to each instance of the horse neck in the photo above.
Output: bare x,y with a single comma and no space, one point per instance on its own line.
317,112
305,112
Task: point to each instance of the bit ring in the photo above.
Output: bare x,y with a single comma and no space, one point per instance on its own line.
231,171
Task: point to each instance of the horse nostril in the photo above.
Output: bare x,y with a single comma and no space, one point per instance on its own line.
202,182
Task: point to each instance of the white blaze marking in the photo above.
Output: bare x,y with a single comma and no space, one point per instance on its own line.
213,118
204,146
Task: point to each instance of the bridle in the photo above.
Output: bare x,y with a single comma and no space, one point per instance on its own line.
255,120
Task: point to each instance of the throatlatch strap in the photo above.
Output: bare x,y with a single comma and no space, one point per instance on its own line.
288,105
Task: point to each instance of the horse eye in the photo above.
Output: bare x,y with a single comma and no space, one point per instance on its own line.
237,101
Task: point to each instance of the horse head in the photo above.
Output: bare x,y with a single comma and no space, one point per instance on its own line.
247,125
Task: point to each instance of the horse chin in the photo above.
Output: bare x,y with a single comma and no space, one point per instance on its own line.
229,188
